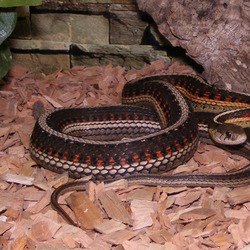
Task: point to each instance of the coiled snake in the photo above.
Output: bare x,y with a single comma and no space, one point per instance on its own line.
155,131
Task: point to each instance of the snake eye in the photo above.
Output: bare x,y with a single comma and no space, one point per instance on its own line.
228,134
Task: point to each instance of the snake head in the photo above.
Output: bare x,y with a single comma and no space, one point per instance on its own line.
228,134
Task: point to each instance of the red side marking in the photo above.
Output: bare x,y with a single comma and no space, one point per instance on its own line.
158,153
238,100
76,158
99,162
65,155
123,161
136,157
217,97
147,155
196,93
168,150
228,98
50,151
185,141
206,94
177,146
88,159
111,161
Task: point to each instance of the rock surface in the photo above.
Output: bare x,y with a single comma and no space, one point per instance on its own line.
214,33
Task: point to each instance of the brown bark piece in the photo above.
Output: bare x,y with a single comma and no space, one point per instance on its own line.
188,197
44,228
25,130
33,195
61,179
98,244
41,231
141,245
221,240
197,214
19,243
114,208
239,214
71,235
4,226
109,226
198,228
11,200
239,195
42,203
240,234
118,237
14,178
142,213
85,211
12,213
160,236
141,194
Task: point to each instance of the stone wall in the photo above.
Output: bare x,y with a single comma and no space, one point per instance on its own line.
62,34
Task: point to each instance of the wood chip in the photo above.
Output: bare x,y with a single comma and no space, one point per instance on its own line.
98,244
197,214
239,195
25,180
114,208
4,226
85,211
44,229
109,226
142,213
118,237
140,245
77,234
188,197
221,240
160,236
11,200
239,214
141,194
128,217
20,243
42,203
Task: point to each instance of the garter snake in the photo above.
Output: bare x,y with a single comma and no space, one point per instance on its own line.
139,143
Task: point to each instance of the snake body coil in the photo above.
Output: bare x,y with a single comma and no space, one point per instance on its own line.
151,153
166,130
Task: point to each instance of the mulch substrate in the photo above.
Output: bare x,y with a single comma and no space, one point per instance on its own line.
111,216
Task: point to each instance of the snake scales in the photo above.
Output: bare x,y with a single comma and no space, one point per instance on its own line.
154,131
165,137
